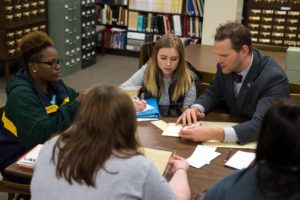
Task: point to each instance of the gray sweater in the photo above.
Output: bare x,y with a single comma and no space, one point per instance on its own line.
137,178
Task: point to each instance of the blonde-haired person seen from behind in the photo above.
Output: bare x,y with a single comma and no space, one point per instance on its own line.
38,102
166,76
100,157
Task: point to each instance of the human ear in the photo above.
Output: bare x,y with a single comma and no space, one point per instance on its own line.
32,67
245,50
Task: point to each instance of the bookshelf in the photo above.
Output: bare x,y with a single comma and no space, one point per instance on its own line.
274,22
129,24
111,15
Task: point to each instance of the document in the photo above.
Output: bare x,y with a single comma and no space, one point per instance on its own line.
216,143
159,158
202,156
217,124
240,160
161,124
172,130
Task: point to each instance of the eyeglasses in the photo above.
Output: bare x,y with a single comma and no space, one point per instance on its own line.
52,64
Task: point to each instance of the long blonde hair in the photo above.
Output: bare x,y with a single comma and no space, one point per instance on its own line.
182,75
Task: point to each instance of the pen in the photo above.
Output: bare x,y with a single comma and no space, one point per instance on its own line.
168,166
137,98
228,155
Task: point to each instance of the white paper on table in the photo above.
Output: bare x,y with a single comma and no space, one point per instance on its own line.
172,129
142,119
160,124
202,156
240,160
148,107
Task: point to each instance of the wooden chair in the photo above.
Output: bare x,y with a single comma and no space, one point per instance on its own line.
294,91
12,188
145,53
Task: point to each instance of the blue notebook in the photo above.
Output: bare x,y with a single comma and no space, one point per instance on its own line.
152,113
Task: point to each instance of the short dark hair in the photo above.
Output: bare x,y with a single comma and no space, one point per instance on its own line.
278,150
32,44
237,33
279,137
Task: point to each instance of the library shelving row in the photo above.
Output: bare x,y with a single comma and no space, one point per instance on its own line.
128,24
274,24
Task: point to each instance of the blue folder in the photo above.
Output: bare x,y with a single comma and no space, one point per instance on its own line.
153,113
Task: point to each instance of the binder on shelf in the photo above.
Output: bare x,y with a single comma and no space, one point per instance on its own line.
152,113
135,35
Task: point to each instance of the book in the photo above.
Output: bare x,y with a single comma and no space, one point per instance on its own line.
28,159
152,113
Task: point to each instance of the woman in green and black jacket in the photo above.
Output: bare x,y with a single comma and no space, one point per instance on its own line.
38,103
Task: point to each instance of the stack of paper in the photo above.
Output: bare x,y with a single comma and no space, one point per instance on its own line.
172,129
28,159
202,156
240,160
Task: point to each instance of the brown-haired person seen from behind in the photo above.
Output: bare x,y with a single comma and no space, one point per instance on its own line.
99,157
246,80
275,173
38,102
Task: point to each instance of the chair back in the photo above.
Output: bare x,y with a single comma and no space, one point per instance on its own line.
145,53
12,188
294,91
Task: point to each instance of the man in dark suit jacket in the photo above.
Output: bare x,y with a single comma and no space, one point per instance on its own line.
246,80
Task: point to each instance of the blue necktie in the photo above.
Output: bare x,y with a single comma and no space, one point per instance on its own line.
237,77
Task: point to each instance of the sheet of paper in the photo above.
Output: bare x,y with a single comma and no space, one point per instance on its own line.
161,124
240,160
142,119
148,107
159,158
202,156
217,124
215,143
172,130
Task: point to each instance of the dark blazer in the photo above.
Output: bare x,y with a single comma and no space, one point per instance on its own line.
265,83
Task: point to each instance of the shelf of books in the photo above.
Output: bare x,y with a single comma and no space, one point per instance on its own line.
111,18
129,24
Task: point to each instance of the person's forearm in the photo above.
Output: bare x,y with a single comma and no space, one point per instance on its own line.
218,134
180,185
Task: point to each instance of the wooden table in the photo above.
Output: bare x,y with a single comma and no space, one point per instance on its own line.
150,136
203,58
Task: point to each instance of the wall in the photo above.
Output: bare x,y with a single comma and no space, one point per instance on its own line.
217,12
